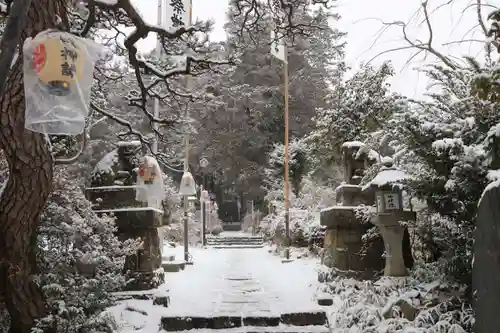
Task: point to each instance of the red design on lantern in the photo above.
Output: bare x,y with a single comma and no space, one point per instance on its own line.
141,172
39,57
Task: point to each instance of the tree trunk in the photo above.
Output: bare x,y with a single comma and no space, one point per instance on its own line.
28,187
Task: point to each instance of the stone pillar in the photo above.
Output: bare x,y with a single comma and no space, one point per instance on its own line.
113,192
486,264
143,268
393,241
392,232
342,242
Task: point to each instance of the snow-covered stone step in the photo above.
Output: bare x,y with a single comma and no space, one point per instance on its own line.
228,244
224,241
250,246
234,240
235,237
274,329
248,323
173,266
235,243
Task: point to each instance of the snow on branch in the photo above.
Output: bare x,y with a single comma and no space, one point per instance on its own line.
161,157
124,13
283,12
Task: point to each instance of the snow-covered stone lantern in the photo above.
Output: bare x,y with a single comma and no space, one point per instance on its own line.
388,186
58,72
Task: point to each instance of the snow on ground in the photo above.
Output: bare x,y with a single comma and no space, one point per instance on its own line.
224,281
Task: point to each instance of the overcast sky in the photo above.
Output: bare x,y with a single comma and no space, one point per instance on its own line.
361,20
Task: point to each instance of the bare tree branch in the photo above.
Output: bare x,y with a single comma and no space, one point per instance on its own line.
426,47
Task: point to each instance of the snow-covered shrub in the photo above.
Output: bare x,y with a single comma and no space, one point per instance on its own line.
80,259
248,223
448,143
304,211
297,163
418,304
175,232
358,106
172,202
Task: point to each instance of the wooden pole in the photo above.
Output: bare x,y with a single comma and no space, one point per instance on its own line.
156,109
186,160
286,157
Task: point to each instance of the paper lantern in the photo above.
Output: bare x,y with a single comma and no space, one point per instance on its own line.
150,187
149,170
58,73
204,196
59,65
187,186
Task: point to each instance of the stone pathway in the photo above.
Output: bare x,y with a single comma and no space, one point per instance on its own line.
230,288
242,292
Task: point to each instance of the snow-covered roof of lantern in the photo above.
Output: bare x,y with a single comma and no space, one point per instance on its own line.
133,143
353,144
387,176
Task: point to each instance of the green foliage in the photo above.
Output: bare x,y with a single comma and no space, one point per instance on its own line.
243,119
356,108
80,260
449,143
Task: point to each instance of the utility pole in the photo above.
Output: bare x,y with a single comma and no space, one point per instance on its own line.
280,51
286,158
156,112
156,107
186,155
253,219
204,199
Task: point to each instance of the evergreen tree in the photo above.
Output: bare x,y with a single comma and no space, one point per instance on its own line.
247,120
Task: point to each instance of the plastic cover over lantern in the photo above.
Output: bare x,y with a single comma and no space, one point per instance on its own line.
58,72
150,181
204,196
188,186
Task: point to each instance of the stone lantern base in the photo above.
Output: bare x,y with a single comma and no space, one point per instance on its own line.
393,233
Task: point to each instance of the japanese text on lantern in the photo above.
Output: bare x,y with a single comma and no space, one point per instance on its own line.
391,201
69,57
177,12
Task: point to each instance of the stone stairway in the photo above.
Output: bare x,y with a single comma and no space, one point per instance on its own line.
229,291
248,301
238,241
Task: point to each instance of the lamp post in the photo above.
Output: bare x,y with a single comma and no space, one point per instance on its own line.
187,189
204,199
